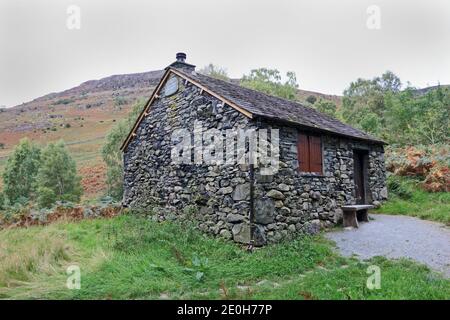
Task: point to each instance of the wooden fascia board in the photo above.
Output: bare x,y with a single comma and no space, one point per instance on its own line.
155,94
144,111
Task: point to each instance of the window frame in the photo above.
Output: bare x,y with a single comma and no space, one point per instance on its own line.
308,136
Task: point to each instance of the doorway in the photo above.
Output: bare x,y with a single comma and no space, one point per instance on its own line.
360,163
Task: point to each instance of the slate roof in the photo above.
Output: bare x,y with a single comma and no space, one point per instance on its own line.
270,107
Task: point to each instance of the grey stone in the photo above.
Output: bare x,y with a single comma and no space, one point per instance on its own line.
384,193
285,211
264,211
241,192
291,228
225,233
275,194
279,204
241,234
283,187
315,195
226,190
312,227
234,218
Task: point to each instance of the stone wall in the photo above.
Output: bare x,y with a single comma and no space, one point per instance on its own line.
294,202
152,180
286,203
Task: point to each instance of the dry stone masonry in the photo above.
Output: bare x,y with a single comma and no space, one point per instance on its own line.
218,197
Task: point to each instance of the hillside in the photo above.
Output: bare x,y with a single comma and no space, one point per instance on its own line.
82,116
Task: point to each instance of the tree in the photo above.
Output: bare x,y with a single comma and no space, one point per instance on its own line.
57,178
215,72
112,155
419,119
311,99
364,102
21,170
326,107
401,117
269,81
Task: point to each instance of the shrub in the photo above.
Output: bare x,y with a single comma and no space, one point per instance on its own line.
269,81
119,101
429,164
399,187
311,99
46,197
326,107
2,201
113,156
63,101
215,72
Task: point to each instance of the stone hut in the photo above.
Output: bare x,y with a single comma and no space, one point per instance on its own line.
184,153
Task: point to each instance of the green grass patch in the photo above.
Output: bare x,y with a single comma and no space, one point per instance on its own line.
130,257
406,198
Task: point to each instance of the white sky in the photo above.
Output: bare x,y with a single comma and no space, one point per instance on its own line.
326,42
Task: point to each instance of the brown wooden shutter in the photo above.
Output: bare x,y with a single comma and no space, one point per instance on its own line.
315,149
303,153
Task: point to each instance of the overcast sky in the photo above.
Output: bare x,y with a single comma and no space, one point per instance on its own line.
327,43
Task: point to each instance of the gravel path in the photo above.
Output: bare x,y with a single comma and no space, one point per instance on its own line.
397,237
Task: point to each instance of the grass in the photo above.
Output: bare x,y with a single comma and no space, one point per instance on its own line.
409,199
131,257
33,260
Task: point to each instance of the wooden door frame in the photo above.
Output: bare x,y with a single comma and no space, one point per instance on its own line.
364,153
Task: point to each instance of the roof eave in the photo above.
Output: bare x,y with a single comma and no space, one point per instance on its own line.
330,132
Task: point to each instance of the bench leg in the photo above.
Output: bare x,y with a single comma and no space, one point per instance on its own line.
363,215
349,219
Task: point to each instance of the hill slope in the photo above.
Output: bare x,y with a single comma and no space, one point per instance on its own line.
83,115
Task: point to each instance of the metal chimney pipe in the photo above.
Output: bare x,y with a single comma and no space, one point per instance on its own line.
181,57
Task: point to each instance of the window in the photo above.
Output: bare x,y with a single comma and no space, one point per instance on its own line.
309,153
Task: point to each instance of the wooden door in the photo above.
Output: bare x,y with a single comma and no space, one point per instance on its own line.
360,175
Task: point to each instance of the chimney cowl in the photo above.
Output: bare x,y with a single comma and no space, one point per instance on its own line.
181,63
181,56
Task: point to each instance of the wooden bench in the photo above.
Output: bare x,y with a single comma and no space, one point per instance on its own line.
354,213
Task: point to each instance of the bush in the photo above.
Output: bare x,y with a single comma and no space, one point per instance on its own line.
429,164
326,107
113,156
2,201
120,101
215,72
311,99
46,197
399,187
62,101
269,81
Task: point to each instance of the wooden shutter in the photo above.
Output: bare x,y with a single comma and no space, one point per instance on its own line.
315,152
303,153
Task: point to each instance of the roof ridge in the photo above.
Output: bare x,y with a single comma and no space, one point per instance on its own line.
250,89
